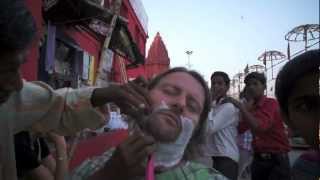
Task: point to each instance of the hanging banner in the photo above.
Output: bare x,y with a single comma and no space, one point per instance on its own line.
91,70
86,66
105,69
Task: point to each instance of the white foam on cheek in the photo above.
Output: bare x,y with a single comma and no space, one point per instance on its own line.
164,105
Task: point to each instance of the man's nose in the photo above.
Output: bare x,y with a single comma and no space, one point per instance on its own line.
214,86
179,105
177,109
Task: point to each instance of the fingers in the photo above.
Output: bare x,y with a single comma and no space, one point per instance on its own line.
137,142
224,101
134,151
142,155
141,81
140,93
132,99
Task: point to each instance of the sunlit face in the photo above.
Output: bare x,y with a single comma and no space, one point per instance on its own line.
219,87
10,77
255,87
179,91
304,108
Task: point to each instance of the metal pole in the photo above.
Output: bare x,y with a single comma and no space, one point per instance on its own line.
305,39
189,53
271,68
239,85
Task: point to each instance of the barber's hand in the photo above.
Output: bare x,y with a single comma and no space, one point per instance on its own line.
248,105
233,101
132,98
127,160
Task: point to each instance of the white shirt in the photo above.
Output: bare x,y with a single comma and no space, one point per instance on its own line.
222,131
64,111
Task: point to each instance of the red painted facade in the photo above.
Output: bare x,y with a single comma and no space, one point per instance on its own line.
82,38
158,59
87,43
140,38
85,40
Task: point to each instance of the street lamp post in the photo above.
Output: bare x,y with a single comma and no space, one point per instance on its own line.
189,53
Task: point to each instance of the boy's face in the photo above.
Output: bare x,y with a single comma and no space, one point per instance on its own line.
219,87
255,87
304,107
10,77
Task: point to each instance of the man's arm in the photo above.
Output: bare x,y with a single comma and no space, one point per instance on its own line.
67,111
260,121
249,118
61,159
50,163
40,173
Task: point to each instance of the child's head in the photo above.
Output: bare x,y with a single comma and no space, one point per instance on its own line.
255,84
297,90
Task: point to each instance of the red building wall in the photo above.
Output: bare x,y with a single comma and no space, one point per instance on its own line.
86,41
30,67
139,36
138,33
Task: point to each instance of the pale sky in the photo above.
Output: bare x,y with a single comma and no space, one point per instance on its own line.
226,35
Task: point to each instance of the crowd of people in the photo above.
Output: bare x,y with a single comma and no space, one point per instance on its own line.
176,127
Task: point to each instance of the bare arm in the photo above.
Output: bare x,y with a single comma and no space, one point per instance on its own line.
61,165
50,163
246,115
40,173
68,111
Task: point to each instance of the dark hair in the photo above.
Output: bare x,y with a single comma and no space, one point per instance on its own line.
256,75
243,93
223,75
291,71
198,135
17,27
